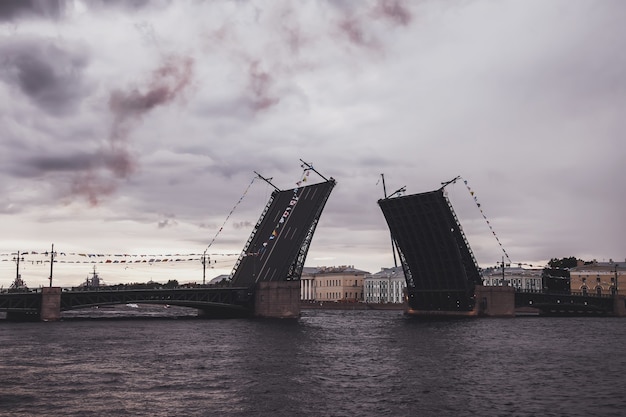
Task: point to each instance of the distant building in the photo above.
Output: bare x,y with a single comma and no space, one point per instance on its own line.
385,286
334,283
307,284
516,277
219,279
598,278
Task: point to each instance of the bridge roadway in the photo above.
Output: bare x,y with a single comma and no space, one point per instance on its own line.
211,301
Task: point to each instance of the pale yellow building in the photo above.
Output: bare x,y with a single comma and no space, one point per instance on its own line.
338,284
598,278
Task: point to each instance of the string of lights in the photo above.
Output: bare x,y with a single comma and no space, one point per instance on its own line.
473,194
231,212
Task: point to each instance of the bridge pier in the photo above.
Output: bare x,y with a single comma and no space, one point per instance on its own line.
50,304
619,306
495,301
277,299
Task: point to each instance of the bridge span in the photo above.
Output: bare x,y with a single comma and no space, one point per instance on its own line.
265,281
443,277
47,303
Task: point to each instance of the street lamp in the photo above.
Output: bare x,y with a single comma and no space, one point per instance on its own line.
52,254
204,267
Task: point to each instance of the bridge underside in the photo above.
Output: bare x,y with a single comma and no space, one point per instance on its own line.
439,267
212,302
21,306
267,299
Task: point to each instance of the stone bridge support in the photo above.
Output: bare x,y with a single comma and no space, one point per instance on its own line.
495,301
277,299
50,304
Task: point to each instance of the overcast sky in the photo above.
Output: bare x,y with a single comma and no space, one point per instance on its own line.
134,127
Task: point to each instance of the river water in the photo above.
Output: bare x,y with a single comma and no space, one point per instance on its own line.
327,363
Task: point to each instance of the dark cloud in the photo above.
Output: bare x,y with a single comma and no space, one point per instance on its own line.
11,10
114,161
117,162
353,29
356,23
286,20
168,221
259,86
127,4
165,84
92,186
68,163
49,74
98,174
93,176
395,11
14,9
293,37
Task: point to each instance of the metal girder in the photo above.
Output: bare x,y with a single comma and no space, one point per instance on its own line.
20,302
192,297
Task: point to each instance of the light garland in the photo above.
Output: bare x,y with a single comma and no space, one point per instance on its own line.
473,194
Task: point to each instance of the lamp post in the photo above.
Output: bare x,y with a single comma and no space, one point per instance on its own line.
503,276
204,268
52,253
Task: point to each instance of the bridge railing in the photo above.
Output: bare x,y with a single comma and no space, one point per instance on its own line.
591,294
529,290
575,293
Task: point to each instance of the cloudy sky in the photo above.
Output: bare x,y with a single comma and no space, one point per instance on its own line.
134,127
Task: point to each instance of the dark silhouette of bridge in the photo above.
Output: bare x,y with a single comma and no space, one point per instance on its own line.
211,301
440,269
265,281
443,277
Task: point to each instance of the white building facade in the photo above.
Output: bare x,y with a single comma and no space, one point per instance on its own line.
518,278
385,286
